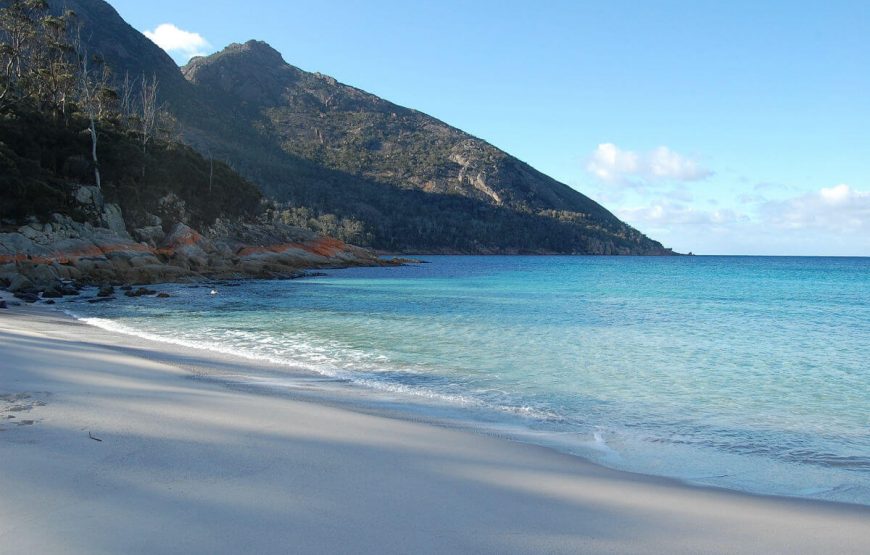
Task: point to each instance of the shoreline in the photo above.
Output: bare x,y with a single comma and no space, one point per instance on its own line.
361,470
292,382
278,375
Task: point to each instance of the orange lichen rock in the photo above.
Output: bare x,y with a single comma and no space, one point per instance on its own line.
322,246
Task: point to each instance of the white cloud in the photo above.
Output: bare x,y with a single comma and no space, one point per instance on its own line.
840,209
178,42
829,221
610,163
667,214
838,194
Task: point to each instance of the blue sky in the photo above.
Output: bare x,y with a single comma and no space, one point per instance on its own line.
715,127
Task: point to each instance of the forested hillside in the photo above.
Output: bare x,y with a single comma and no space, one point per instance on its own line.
67,120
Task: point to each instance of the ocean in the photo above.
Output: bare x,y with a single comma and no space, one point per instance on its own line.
749,373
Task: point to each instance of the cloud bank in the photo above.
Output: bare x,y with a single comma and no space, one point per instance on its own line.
831,220
611,164
666,214
838,209
180,44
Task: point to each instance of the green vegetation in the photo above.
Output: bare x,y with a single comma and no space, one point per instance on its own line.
62,125
413,221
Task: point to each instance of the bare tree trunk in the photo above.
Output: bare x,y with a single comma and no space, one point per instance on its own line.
93,130
148,98
8,76
91,85
125,101
210,170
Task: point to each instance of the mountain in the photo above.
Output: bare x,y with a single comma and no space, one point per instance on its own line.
334,155
317,118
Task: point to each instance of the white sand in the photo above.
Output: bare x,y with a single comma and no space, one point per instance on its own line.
186,465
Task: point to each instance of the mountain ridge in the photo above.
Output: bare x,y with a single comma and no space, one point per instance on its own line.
346,98
333,152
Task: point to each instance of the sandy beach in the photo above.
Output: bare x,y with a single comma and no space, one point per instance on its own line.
108,447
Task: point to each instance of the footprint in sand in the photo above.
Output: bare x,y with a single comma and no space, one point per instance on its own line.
11,403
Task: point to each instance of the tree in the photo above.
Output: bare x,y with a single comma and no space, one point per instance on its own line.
127,101
20,37
37,57
95,96
57,65
148,110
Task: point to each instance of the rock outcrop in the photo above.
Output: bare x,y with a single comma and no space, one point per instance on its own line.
46,256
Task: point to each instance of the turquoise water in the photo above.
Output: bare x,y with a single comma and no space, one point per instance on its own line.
750,373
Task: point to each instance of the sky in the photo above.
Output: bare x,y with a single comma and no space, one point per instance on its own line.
732,127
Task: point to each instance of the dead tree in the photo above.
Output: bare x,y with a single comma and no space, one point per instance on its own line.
147,114
127,101
94,95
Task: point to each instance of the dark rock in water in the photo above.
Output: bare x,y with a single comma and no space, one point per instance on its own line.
3,304
27,297
49,301
106,291
142,291
68,291
101,299
126,288
51,293
163,295
400,261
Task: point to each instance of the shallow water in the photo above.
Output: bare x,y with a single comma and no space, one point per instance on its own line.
750,373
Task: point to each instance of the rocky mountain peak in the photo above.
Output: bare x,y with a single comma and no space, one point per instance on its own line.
254,72
253,55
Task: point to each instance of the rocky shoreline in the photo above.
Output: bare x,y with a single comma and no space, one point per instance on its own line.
45,260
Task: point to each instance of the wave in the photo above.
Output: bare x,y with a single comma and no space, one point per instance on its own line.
623,431
384,380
